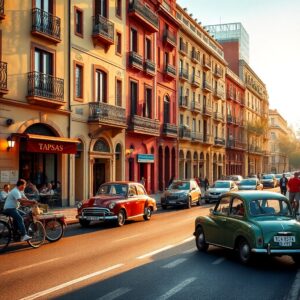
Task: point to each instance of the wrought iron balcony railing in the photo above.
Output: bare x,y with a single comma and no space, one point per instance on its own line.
184,132
114,116
149,67
219,141
207,110
45,86
195,56
196,106
135,60
206,63
170,38
183,48
207,138
144,125
183,101
206,86
196,82
183,74
3,77
103,30
144,13
46,24
196,136
170,71
170,130
218,72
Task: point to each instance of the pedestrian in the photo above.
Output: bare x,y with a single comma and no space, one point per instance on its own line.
206,183
142,181
294,191
283,184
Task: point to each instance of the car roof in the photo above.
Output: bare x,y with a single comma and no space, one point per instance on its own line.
224,180
253,195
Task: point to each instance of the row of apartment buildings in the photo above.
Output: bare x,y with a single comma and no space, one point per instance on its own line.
100,90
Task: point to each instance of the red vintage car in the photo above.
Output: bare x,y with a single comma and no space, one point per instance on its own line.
117,201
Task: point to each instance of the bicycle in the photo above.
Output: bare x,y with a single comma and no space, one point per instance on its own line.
34,228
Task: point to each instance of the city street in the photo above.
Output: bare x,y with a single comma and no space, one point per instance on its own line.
156,259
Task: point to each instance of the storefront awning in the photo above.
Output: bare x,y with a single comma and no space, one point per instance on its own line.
50,144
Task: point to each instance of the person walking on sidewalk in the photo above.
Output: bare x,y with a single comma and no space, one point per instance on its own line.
294,191
283,184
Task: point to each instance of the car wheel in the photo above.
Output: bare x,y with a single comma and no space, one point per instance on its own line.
189,203
199,200
121,218
244,251
148,213
84,223
296,259
164,206
200,240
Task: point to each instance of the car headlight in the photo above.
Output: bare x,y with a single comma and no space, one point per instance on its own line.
112,205
79,205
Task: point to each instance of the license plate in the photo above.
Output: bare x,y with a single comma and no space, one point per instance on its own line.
92,218
285,241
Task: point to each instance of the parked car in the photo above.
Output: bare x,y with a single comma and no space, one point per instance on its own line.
269,180
214,192
181,193
117,201
236,178
251,222
250,184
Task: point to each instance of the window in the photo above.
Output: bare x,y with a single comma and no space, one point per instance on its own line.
43,61
132,190
133,40
119,8
181,119
78,22
166,109
147,105
101,8
119,43
78,81
118,92
158,56
148,49
223,206
100,86
133,97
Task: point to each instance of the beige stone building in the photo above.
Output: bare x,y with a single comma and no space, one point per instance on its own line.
278,132
201,99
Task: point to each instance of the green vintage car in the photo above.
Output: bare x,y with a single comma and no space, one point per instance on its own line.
251,222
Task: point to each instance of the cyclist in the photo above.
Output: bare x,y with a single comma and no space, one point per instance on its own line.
14,198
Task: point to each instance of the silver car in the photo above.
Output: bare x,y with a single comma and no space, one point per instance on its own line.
218,189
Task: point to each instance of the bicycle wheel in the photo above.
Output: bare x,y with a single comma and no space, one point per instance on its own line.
37,231
54,230
5,235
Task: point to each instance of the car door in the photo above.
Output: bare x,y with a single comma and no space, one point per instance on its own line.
142,198
193,189
132,201
219,218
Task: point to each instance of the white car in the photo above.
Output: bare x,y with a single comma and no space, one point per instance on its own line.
220,187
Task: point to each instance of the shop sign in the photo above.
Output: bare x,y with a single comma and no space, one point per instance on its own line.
51,147
145,158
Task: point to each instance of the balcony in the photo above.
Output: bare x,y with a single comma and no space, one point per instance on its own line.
195,56
144,15
183,102
2,15
149,67
196,82
143,125
230,119
184,133
183,48
207,111
3,78
169,39
45,25
206,86
240,145
218,72
135,61
197,137
206,63
230,95
207,139
107,116
219,94
170,130
235,144
183,74
219,142
169,72
196,107
219,117
45,90
103,31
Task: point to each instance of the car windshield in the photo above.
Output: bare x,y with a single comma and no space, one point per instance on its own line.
221,184
270,207
278,175
267,177
248,182
180,185
113,189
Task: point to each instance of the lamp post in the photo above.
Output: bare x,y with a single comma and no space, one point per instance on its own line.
10,143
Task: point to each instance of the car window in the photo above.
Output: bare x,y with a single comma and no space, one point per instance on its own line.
112,189
270,207
221,184
248,182
132,190
140,190
223,206
193,184
237,207
180,185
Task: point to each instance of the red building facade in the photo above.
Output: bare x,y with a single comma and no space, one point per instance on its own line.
236,138
151,137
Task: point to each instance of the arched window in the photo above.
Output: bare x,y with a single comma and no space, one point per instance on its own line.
118,151
101,146
166,109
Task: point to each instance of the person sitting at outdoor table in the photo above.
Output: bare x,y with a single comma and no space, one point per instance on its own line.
4,193
47,190
31,191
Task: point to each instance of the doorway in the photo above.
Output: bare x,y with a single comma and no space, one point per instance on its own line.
99,174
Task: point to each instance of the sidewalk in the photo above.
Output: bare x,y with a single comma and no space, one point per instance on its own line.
71,212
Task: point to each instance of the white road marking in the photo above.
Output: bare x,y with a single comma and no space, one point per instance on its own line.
66,284
186,240
155,252
115,294
189,251
295,288
128,237
29,266
177,288
174,263
218,261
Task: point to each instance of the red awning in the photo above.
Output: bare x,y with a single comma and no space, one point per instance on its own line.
50,144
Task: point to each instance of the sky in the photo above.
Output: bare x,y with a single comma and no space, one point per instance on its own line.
274,38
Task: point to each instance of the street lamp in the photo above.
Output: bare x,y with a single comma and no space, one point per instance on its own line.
10,143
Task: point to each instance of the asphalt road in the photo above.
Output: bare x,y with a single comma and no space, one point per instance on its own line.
154,259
